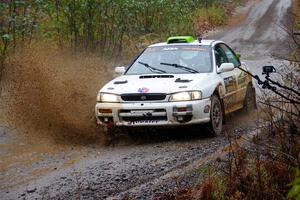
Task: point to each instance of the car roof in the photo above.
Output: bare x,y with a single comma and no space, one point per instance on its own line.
195,42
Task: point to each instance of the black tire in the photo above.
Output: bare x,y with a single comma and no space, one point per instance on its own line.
216,116
250,100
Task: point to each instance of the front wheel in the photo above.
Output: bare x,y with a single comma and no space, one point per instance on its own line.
216,116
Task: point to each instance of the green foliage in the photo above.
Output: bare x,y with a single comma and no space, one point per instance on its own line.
103,26
297,25
294,192
215,15
7,38
236,2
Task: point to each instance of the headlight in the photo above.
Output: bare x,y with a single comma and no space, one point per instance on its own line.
186,96
106,97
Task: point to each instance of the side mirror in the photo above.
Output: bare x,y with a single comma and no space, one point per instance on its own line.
120,70
225,67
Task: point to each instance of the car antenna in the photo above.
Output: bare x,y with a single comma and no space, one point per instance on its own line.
199,38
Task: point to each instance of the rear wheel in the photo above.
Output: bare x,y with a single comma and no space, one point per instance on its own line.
216,116
250,99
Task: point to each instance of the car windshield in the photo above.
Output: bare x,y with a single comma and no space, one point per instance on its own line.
173,60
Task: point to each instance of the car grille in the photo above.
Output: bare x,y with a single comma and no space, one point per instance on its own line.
144,97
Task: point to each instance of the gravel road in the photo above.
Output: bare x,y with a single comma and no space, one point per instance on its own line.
145,166
141,170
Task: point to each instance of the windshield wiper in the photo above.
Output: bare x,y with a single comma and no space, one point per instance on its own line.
181,67
153,69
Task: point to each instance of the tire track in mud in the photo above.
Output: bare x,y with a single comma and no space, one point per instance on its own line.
125,169
187,175
262,32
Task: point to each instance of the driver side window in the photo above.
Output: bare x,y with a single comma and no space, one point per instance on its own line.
220,56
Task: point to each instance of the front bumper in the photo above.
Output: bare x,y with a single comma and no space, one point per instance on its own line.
153,113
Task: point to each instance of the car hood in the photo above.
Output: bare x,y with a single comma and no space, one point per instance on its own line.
156,83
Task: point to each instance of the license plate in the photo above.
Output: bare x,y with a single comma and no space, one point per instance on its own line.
143,122
141,111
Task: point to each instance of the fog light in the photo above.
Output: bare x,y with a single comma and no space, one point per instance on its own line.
105,111
180,118
206,109
185,108
185,118
106,120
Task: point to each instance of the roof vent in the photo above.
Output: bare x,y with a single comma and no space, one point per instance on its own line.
180,39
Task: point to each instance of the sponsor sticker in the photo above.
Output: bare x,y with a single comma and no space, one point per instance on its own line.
143,90
170,49
194,49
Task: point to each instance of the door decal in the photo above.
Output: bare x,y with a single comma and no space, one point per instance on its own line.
242,78
230,84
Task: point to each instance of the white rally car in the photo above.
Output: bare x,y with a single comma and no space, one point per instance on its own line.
179,82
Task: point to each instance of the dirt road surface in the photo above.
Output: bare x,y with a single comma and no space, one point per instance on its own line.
146,165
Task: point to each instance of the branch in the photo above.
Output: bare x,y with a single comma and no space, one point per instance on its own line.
294,114
282,86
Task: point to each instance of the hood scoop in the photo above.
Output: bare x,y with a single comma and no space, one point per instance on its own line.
179,80
156,76
120,82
